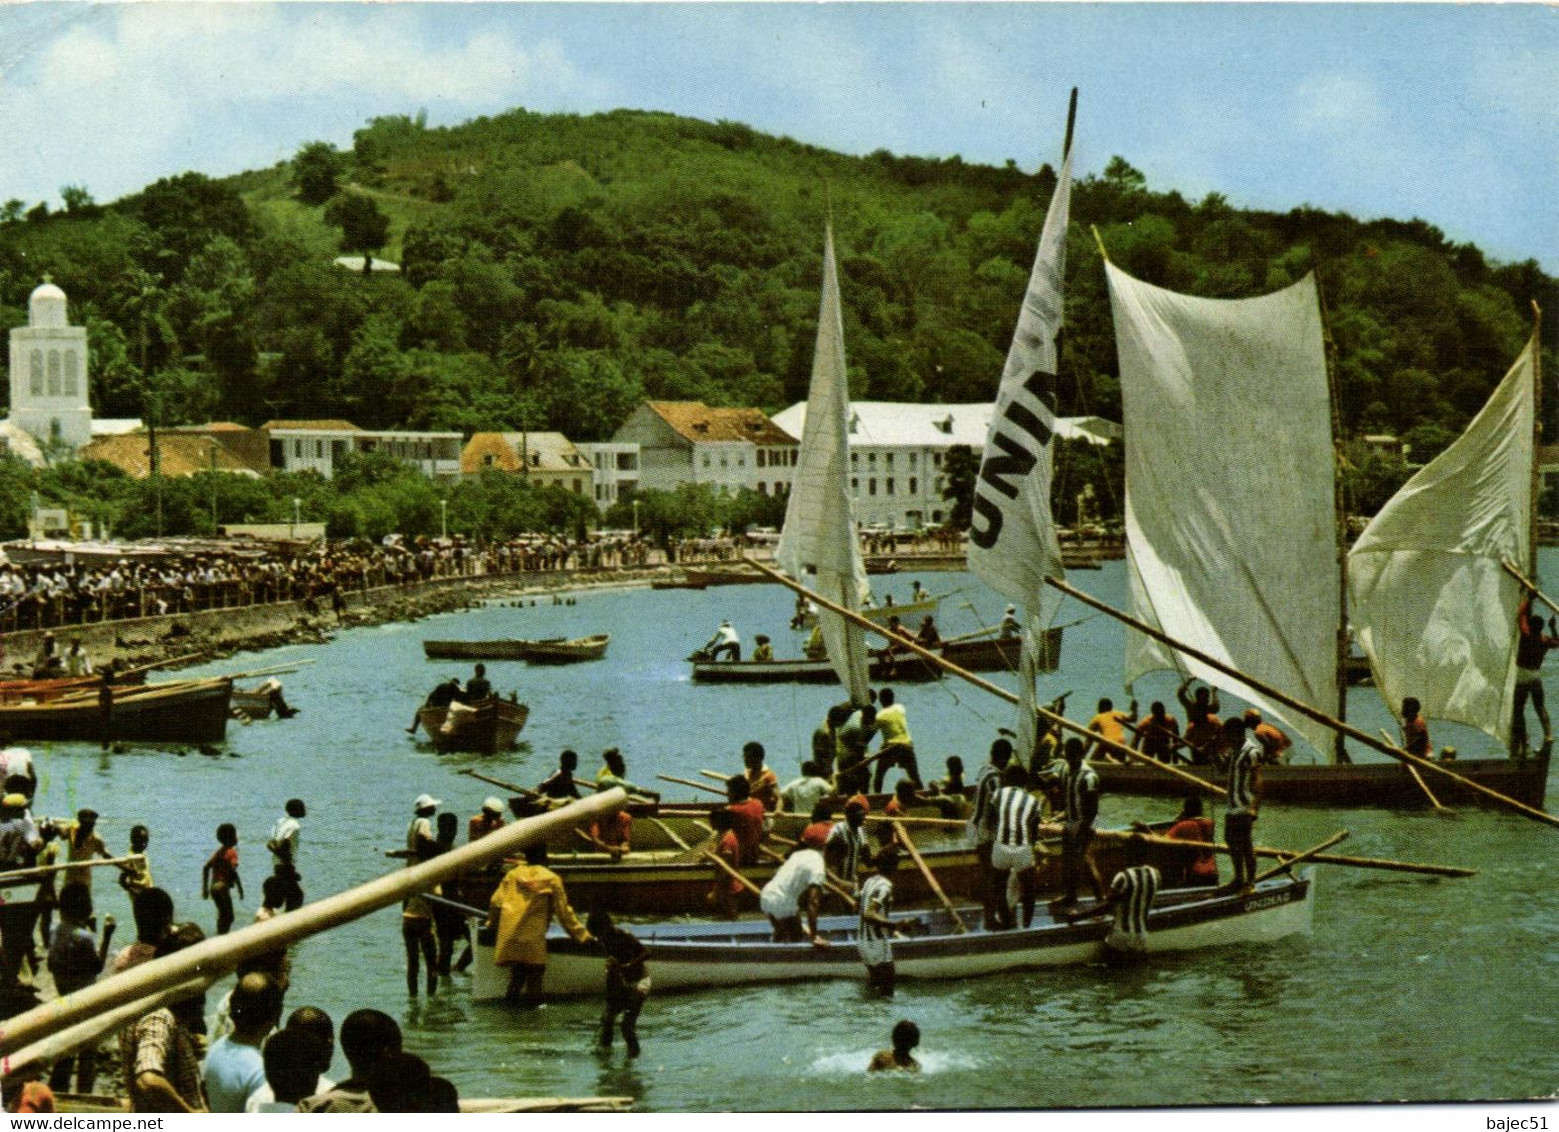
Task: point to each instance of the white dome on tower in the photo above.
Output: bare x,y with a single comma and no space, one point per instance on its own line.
46,307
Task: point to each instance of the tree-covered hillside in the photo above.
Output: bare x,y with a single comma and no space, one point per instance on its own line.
558,269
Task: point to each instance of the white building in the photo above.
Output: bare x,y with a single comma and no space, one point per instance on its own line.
689,442
897,452
615,470
297,446
49,373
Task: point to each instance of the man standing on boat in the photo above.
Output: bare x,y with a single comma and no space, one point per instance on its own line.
1157,733
561,784
1080,802
983,821
1111,725
479,687
762,783
1274,743
846,849
522,907
1012,853
724,641
1244,787
1415,732
898,749
1531,647
1203,730
874,934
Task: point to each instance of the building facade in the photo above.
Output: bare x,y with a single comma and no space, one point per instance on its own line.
540,457
296,446
615,469
49,373
689,442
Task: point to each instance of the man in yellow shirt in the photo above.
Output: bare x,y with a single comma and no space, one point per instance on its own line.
897,749
523,906
1111,725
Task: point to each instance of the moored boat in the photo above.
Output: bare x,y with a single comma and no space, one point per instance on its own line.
558,650
484,728
701,955
183,711
509,649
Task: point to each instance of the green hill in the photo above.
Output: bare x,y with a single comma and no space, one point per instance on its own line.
558,269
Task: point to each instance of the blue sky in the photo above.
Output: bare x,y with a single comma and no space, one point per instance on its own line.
1447,112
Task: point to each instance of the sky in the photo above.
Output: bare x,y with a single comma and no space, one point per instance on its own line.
1446,112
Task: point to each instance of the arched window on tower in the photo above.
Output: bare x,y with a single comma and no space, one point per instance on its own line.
35,374
72,373
54,373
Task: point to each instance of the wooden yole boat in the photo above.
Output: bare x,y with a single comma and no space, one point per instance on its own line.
485,728
548,650
183,711
701,955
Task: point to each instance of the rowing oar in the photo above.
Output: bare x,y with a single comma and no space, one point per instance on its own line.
1177,740
669,832
1288,864
273,670
120,674
1418,778
22,876
690,782
902,835
1384,863
1530,585
726,865
1300,706
1011,697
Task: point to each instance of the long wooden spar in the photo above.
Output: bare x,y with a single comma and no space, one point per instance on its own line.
1530,586
1200,784
1300,706
223,953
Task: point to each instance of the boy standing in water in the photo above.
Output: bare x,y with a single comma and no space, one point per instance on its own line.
220,876
627,984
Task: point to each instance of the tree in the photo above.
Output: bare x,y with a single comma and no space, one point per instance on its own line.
364,227
960,467
78,202
315,170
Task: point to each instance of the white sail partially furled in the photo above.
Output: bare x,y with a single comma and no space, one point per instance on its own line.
1428,595
818,545
1230,508
1012,536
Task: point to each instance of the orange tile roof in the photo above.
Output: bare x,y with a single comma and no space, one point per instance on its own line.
179,454
320,426
699,422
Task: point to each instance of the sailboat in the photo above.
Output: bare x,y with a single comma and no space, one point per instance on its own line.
1230,554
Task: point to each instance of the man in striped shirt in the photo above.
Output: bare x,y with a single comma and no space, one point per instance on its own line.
983,824
1244,787
1131,895
873,938
1012,851
846,850
1080,801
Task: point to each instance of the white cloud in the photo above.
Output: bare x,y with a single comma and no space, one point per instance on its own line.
1334,103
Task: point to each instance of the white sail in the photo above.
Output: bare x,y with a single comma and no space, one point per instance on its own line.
818,545
1430,601
1230,509
1012,535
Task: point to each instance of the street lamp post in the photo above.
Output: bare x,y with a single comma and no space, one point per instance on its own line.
635,518
296,516
443,518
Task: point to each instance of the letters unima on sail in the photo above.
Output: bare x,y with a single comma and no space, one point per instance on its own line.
1012,538
1430,601
819,534
1230,512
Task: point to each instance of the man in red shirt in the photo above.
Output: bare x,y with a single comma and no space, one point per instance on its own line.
762,783
726,888
1272,740
1197,868
746,817
1415,732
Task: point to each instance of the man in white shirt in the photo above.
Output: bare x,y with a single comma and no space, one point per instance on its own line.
285,836
796,886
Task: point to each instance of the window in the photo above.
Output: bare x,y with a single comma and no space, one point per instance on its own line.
871,486
35,374
54,373
936,516
912,461
579,487
319,450
741,461
297,449
71,372
913,486
759,458
489,460
855,486
888,459
763,488
936,459
888,485
871,459
706,459
855,459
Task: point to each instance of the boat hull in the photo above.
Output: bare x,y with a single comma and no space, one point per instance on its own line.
193,712
487,728
685,957
474,650
1388,785
565,652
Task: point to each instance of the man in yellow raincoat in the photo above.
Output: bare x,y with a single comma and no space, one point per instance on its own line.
523,906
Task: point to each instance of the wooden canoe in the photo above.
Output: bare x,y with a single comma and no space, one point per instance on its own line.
475,650
1385,784
994,655
484,728
697,956
879,614
558,650
181,711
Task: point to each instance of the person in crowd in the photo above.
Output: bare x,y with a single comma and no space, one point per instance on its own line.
1012,851
983,824
1158,733
853,773
1532,645
153,914
906,1036
846,849
402,1082
440,697
561,784
747,817
136,876
898,748
725,642
368,1037
83,843
18,771
825,740
762,783
283,846
416,911
1010,625
219,878
77,663
1244,789
1415,732
45,899
1197,868
613,774
1131,897
1203,728
820,823
523,905
234,1067
20,842
874,933
816,647
796,891
613,833
799,795
726,889
1109,725
489,819
1274,742
479,687
158,1054
928,637
627,983
763,650
1080,809
311,1061
904,796
76,958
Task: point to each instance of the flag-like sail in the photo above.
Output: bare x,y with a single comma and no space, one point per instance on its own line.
1430,601
818,545
1230,510
1012,536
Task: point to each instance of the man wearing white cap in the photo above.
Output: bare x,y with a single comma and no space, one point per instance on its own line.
416,912
489,819
1010,625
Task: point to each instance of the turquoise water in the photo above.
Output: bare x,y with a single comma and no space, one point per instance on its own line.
1410,988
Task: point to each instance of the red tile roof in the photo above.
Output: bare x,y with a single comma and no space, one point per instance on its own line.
697,422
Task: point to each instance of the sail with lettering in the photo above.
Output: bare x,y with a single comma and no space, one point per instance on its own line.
1431,603
1012,536
818,545
1230,510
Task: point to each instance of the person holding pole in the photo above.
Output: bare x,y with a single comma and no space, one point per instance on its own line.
523,905
1531,647
1239,821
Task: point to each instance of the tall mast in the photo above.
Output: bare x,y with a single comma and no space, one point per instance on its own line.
1537,432
1340,526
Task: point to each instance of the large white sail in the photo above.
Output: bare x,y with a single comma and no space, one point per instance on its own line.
1012,535
1230,508
1430,601
818,545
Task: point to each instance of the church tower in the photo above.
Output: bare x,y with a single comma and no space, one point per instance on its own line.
49,372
